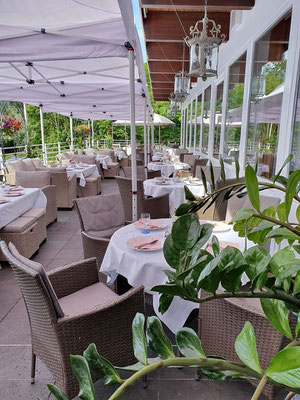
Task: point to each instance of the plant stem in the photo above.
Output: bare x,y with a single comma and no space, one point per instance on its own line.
277,222
260,295
217,364
295,342
260,387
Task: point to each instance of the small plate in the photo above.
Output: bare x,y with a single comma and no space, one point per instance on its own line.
140,225
13,188
220,226
129,244
161,178
13,194
4,201
163,183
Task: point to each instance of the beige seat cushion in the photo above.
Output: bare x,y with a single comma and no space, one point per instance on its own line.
35,213
92,178
112,165
13,166
18,225
29,164
33,179
37,267
106,233
86,299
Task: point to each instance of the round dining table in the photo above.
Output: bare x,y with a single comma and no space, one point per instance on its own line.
147,267
167,168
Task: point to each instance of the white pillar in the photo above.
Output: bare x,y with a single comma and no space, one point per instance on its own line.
191,126
26,124
43,136
152,135
145,136
89,126
71,134
148,135
132,133
92,133
159,134
195,125
112,134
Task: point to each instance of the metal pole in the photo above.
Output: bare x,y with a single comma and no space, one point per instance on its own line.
181,129
145,137
148,136
112,135
132,131
159,134
71,133
26,124
152,135
92,133
89,126
43,136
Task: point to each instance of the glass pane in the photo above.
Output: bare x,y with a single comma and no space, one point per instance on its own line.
295,163
206,120
234,109
266,97
199,119
218,120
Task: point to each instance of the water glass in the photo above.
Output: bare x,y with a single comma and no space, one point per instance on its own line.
145,218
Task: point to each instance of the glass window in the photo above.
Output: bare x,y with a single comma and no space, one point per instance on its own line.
194,111
295,163
206,120
266,97
218,120
234,109
199,120
188,139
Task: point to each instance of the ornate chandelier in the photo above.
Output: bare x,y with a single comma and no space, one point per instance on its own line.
182,82
204,48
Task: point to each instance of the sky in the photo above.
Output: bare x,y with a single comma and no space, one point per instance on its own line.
139,26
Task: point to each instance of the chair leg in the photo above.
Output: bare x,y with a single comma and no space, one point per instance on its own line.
33,364
145,381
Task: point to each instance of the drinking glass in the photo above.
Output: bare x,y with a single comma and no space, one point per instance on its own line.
145,218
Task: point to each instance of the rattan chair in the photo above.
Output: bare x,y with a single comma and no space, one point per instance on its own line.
158,207
154,174
66,189
68,309
206,170
140,172
202,162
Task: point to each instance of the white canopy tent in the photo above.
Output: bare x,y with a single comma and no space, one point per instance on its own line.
158,120
70,57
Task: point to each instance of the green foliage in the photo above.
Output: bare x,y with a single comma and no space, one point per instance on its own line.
245,347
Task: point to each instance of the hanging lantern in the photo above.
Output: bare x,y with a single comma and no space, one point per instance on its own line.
175,103
182,84
204,48
258,87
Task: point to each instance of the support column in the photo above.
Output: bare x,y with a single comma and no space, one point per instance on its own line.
132,130
181,128
112,134
148,135
191,126
152,134
195,125
159,134
71,133
43,136
89,126
26,124
92,133
145,136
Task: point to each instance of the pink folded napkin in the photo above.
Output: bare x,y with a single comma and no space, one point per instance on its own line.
3,200
151,225
145,244
14,188
8,194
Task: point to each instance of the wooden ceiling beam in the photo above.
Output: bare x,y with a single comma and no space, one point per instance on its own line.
198,4
171,51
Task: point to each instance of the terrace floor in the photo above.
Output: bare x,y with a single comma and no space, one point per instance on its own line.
64,246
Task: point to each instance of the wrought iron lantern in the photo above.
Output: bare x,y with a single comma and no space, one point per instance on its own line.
258,87
204,47
182,84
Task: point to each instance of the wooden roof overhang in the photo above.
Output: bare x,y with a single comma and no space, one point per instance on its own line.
166,23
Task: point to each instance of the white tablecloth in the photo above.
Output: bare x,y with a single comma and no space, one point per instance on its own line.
120,154
104,160
166,169
82,173
175,190
32,198
146,268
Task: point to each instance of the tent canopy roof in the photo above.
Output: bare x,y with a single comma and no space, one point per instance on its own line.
158,120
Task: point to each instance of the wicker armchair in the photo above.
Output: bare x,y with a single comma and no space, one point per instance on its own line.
66,190
140,172
154,174
158,207
202,162
40,179
69,309
206,170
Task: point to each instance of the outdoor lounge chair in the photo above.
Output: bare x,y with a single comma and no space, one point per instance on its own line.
68,309
66,188
158,207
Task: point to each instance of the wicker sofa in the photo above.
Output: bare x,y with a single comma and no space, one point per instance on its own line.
28,164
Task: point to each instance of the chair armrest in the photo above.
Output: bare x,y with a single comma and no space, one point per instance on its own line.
72,277
158,207
42,169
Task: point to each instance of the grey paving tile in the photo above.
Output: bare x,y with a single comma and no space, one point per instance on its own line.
23,390
15,331
74,254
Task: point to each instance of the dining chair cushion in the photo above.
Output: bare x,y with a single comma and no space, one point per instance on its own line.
35,213
13,166
86,299
106,233
38,268
29,166
33,179
87,159
18,225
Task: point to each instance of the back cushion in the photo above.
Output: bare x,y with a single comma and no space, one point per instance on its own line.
13,166
36,179
29,164
87,159
37,163
40,270
99,213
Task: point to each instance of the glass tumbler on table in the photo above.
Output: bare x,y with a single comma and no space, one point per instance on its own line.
145,218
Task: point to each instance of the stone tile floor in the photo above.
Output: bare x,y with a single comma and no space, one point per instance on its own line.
64,246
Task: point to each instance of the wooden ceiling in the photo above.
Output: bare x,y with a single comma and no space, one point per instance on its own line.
166,23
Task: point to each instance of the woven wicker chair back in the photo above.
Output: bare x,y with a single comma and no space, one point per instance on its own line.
125,185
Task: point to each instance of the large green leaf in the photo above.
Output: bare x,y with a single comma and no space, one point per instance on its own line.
298,213
189,343
233,264
296,288
102,367
139,338
138,365
281,212
170,288
56,392
81,370
286,161
283,233
215,245
284,367
291,188
210,276
258,260
183,209
165,301
252,187
277,314
173,256
243,213
280,259
188,194
185,232
212,176
203,177
245,347
297,328
289,269
157,339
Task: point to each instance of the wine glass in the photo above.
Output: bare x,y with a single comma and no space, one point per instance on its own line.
145,218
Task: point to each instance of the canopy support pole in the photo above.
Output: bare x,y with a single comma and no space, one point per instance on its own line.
43,136
148,136
93,134
152,134
132,130
89,126
26,124
145,137
71,133
159,134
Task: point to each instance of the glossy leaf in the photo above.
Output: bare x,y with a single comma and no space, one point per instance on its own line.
185,232
237,167
80,368
280,259
157,339
243,213
223,176
297,328
203,177
196,251
210,276
258,259
215,245
56,392
252,187
296,289
212,176
281,212
286,161
277,314
297,248
245,347
170,288
189,343
173,256
232,264
102,367
298,213
291,187
138,366
139,338
165,301
284,367
183,209
188,194
289,269
283,233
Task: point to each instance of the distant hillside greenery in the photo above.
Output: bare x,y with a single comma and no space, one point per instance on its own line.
57,127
